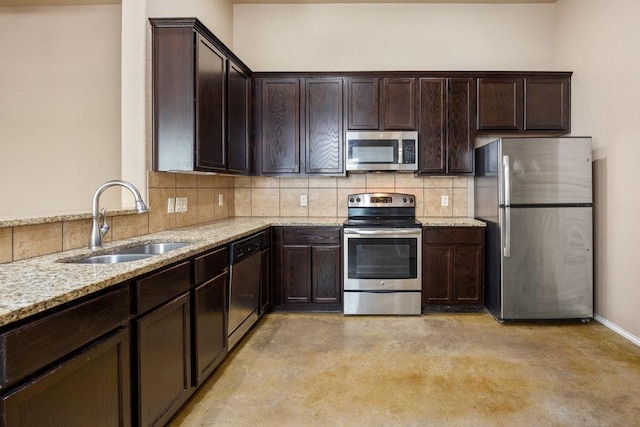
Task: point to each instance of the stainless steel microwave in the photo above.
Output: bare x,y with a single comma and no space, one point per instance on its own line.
373,151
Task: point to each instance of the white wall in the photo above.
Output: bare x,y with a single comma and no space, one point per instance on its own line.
598,40
353,37
59,107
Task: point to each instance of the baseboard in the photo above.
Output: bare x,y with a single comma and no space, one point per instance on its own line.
617,329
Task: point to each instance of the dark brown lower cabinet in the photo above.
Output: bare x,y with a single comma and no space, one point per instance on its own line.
265,281
307,268
91,388
164,361
210,331
452,269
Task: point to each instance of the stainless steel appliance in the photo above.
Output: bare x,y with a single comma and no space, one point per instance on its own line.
244,286
535,196
382,255
370,151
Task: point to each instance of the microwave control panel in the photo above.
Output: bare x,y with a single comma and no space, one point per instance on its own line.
408,151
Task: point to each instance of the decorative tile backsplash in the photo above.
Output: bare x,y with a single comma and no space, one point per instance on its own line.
213,197
327,197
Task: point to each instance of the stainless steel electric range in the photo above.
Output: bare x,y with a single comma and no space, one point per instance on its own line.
382,255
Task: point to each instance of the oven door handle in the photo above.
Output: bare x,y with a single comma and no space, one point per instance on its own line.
387,232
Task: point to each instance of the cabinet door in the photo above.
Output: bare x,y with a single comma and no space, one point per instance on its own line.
296,274
500,102
280,126
90,389
164,361
547,104
460,132
265,282
467,275
364,104
399,103
238,130
437,274
209,323
210,107
324,130
326,274
432,138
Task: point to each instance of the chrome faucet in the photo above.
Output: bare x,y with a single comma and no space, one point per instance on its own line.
97,230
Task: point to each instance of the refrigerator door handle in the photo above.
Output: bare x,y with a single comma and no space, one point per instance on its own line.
507,206
507,180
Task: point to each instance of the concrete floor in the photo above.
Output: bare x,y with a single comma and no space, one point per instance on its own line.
299,369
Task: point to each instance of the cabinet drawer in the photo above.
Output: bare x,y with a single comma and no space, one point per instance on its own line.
210,265
162,286
29,347
453,235
311,235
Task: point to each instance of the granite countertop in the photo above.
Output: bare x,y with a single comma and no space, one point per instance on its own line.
37,284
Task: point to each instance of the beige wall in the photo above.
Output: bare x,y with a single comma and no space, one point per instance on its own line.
136,70
345,37
59,107
598,40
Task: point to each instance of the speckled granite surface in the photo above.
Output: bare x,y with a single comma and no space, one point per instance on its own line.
34,285
17,221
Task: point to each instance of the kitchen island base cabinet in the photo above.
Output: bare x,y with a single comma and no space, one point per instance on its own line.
307,268
452,276
91,388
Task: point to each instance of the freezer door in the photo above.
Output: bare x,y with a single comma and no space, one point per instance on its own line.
548,170
549,273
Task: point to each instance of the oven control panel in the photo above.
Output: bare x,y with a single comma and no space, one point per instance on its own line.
381,200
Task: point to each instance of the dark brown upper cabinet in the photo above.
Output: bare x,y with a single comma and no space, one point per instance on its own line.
200,100
500,103
393,108
299,125
278,127
446,120
524,102
547,104
399,96
324,125
238,141
364,103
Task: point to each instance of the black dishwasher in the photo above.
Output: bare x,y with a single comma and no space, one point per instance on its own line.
244,285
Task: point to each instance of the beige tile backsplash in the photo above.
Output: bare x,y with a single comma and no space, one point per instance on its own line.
241,197
202,193
327,197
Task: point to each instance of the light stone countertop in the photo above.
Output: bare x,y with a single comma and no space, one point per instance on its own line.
31,286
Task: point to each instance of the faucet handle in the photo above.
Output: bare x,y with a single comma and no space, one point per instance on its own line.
104,227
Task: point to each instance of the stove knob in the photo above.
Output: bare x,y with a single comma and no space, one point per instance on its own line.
410,199
351,199
358,199
404,200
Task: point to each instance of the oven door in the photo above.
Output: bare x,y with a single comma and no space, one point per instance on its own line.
382,259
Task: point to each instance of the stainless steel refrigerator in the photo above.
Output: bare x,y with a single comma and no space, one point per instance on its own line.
535,195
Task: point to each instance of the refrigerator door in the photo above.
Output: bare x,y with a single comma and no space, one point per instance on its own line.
549,273
548,170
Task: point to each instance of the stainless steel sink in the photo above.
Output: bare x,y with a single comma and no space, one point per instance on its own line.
152,248
111,258
133,253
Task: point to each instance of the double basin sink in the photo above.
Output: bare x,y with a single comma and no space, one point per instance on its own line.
133,253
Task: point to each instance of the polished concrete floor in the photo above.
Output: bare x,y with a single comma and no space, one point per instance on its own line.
299,369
